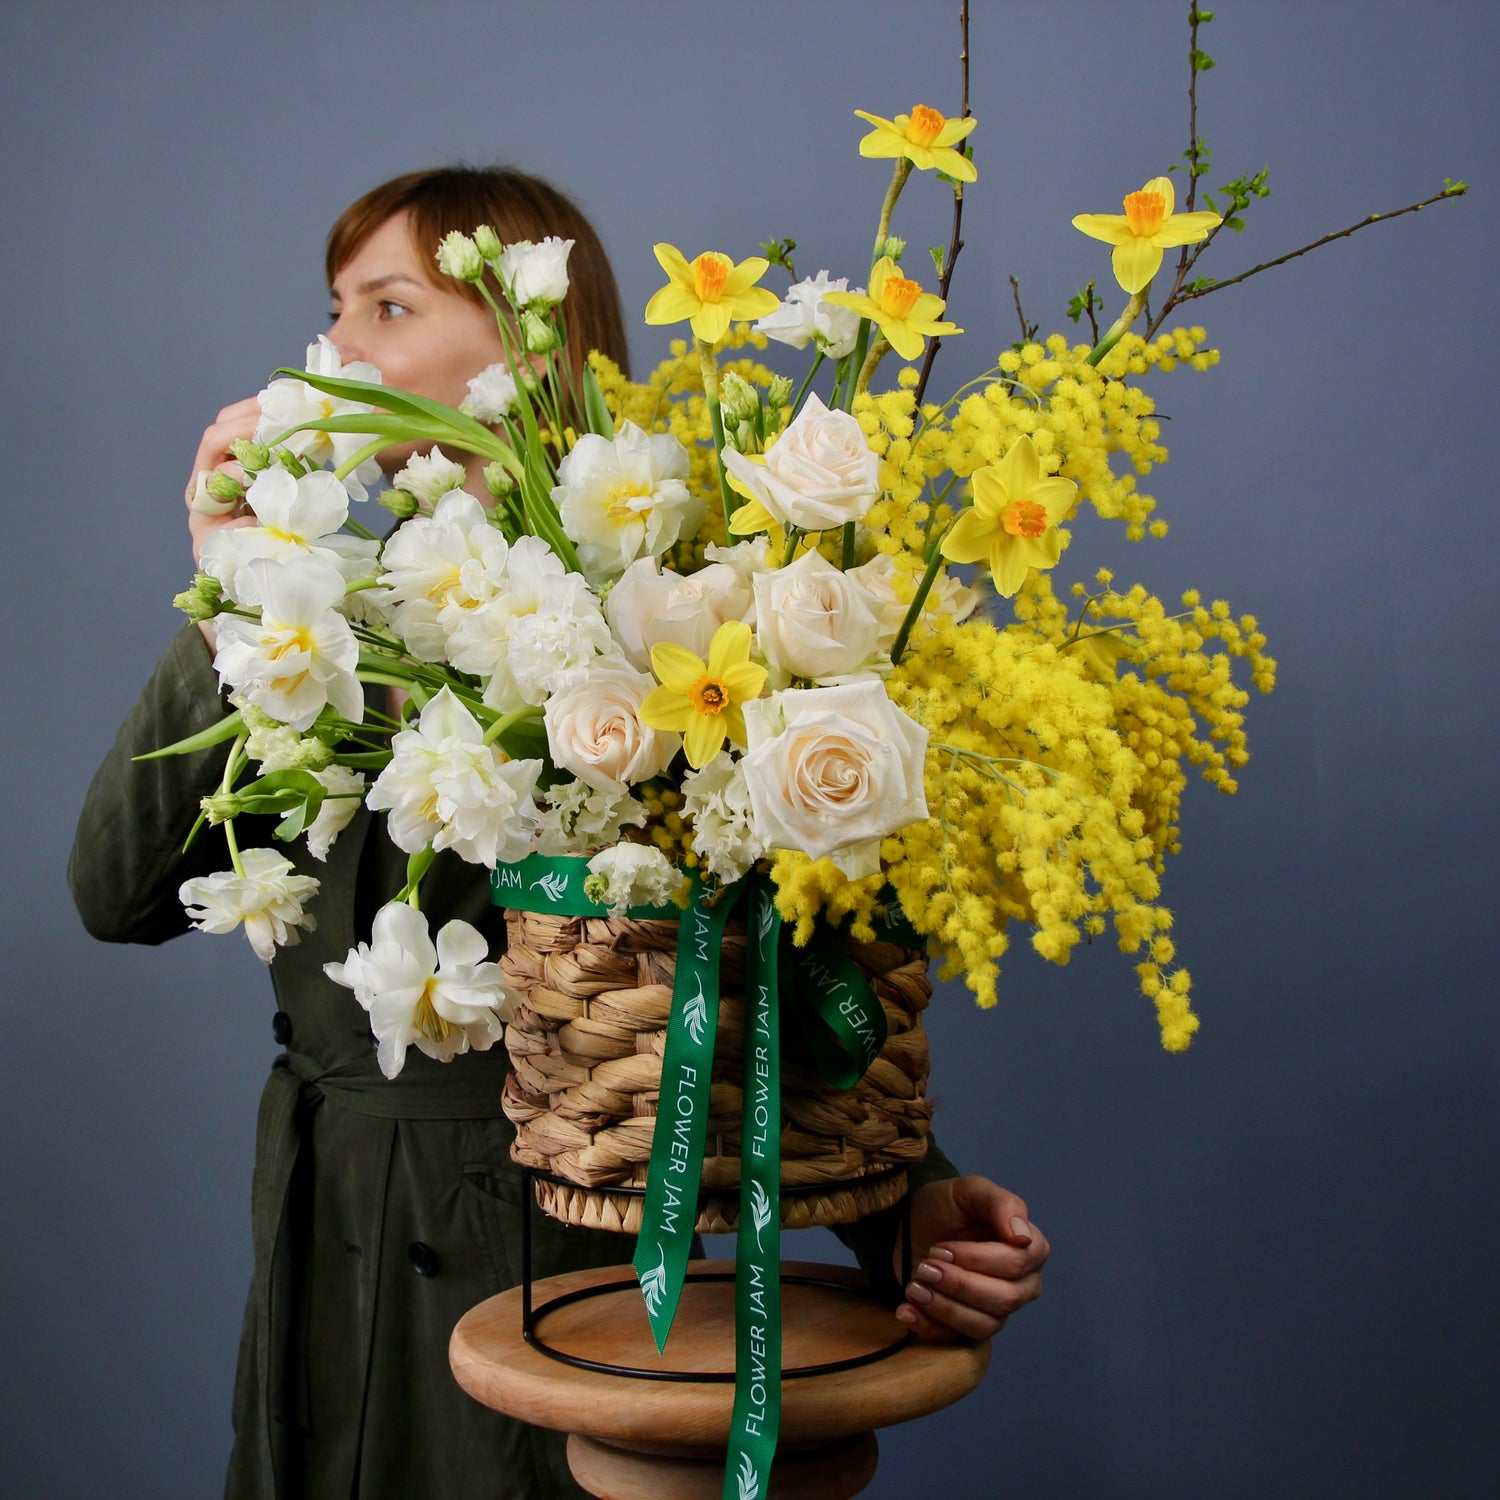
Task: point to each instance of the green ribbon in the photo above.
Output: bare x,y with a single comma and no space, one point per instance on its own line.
829,987
665,1243
554,883
757,1263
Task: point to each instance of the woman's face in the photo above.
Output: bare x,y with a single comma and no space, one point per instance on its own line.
420,337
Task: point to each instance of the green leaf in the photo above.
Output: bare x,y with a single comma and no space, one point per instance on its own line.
526,739
594,407
215,734
937,252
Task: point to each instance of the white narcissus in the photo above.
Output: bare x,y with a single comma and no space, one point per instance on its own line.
300,656
297,518
804,317
345,790
442,1000
820,473
268,899
286,402
445,787
833,770
814,620
624,499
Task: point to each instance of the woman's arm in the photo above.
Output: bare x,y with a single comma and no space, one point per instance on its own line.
127,860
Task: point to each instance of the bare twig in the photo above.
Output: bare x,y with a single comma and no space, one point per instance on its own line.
1178,297
1192,150
955,240
1028,330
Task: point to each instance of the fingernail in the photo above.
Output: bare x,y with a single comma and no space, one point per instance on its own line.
926,1272
939,1253
1020,1228
918,1293
904,1314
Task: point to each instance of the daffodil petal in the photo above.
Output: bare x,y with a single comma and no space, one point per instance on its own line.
745,275
750,517
1055,496
876,120
969,538
755,302
703,737
955,164
675,666
1136,261
711,321
1186,229
729,647
673,262
734,724
882,143
662,708
953,130
1008,567
1164,188
671,305
904,339
880,273
1113,229
1020,468
744,680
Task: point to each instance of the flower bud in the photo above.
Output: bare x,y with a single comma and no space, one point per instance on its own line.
894,246
224,486
251,457
779,392
205,502
498,480
203,600
487,242
400,504
739,400
538,334
458,256
221,807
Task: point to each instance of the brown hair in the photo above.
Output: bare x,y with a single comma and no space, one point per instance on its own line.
516,206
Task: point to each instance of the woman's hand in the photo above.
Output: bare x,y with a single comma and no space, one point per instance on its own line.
976,1259
232,424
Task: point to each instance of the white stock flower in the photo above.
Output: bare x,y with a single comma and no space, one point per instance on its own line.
443,1000
629,875
298,518
833,770
535,275
345,794
268,899
820,473
651,604
429,476
594,729
438,569
804,317
445,787
814,620
948,596
625,498
492,394
717,800
578,819
301,655
287,402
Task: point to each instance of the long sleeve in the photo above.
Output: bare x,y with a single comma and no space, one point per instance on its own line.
127,860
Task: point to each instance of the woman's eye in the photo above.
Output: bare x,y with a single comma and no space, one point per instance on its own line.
390,309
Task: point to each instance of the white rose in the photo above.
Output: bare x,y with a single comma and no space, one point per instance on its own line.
833,770
814,620
820,473
595,731
806,318
630,875
948,596
647,606
535,275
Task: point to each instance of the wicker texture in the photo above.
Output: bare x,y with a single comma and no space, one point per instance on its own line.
586,1047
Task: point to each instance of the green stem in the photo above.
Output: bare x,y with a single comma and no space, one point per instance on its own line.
914,609
802,390
417,865
234,847
505,721
1121,325
893,192
878,351
848,554
710,367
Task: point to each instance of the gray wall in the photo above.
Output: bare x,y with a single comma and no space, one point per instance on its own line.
1274,1255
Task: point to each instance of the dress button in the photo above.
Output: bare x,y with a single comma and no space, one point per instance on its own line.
424,1260
281,1028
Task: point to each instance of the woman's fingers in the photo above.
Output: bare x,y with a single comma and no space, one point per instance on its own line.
233,424
991,1296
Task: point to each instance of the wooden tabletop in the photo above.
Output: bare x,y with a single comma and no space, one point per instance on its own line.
821,1324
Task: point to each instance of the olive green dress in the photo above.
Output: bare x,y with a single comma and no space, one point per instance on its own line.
381,1210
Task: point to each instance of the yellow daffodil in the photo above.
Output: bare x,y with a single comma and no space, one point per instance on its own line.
1012,524
701,700
710,291
1148,226
752,516
924,137
903,312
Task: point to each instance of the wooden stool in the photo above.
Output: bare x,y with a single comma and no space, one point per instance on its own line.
639,1439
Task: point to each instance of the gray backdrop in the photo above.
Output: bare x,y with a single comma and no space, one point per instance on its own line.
1274,1260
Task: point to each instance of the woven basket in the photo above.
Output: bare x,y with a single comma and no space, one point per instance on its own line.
586,1050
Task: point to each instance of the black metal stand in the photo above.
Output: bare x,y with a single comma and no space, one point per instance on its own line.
532,1315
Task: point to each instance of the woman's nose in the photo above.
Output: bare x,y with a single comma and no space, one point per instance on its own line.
342,339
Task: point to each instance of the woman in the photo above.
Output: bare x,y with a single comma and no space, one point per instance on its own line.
383,1210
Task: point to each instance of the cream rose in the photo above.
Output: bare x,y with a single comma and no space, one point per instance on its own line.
595,730
820,473
647,606
831,771
814,620
947,597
